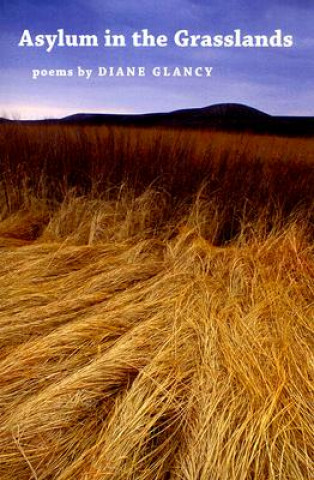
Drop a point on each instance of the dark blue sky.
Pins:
(276, 80)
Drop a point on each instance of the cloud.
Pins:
(145, 13)
(30, 111)
(294, 3)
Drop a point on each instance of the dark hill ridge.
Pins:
(226, 110)
(214, 115)
(224, 116)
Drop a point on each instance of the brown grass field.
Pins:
(156, 305)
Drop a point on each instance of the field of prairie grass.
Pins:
(156, 304)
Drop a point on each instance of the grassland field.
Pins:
(156, 304)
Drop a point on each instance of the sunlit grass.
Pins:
(156, 305)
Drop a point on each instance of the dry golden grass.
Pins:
(142, 336)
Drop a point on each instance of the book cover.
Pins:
(156, 240)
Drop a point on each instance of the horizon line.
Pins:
(17, 116)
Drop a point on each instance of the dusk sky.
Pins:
(275, 80)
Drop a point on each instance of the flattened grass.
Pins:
(157, 331)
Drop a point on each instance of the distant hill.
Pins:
(225, 116)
